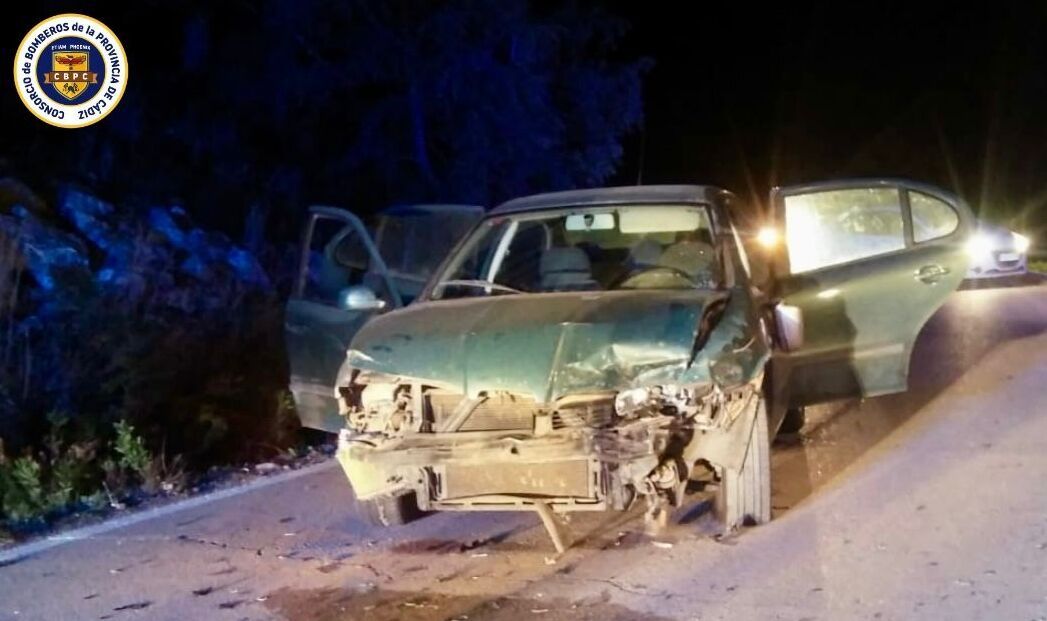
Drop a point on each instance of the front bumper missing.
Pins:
(569, 470)
(566, 469)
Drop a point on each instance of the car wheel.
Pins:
(795, 419)
(744, 496)
(391, 510)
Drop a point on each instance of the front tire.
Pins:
(744, 497)
(391, 510)
(795, 419)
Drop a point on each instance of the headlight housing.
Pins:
(630, 402)
(659, 399)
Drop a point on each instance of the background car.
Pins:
(996, 251)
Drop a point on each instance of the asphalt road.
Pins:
(931, 504)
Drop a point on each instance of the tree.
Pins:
(363, 103)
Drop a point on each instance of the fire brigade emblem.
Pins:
(70, 70)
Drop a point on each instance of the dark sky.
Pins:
(747, 96)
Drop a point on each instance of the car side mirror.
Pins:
(359, 298)
(788, 322)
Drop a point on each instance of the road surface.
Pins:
(931, 504)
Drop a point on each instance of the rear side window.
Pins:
(832, 227)
(931, 217)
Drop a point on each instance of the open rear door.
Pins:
(864, 265)
(339, 259)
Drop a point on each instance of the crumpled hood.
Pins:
(546, 345)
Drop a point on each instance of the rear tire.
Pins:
(744, 497)
(391, 510)
(795, 419)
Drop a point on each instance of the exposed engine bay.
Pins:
(503, 451)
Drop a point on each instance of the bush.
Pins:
(63, 476)
(131, 449)
(163, 344)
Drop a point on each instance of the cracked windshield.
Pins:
(632, 247)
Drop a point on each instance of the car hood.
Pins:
(545, 345)
(1000, 235)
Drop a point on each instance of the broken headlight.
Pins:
(667, 399)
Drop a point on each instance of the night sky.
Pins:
(746, 96)
(751, 97)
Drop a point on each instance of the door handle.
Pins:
(930, 274)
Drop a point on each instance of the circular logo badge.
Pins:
(70, 70)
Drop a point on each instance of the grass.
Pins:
(1038, 265)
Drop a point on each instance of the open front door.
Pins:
(338, 254)
(346, 277)
(864, 265)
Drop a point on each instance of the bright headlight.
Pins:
(979, 245)
(1021, 242)
(768, 237)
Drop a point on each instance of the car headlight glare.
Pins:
(1021, 242)
(979, 246)
(768, 237)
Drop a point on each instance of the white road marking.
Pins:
(35, 547)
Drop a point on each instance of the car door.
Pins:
(339, 256)
(337, 253)
(863, 279)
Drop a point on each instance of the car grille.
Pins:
(497, 412)
(557, 479)
(597, 414)
(503, 411)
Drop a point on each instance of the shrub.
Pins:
(161, 341)
(131, 449)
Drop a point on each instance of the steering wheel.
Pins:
(629, 281)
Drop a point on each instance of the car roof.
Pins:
(411, 210)
(636, 194)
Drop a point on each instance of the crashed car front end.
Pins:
(619, 419)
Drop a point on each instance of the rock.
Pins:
(267, 467)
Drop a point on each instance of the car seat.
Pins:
(694, 258)
(566, 269)
(644, 254)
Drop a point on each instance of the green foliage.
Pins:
(69, 472)
(131, 450)
(1038, 266)
(33, 487)
(23, 489)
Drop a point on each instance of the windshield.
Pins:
(586, 249)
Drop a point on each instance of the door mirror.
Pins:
(359, 298)
(789, 323)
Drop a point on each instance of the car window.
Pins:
(337, 258)
(839, 226)
(413, 241)
(931, 217)
(587, 249)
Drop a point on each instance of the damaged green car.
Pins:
(588, 350)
